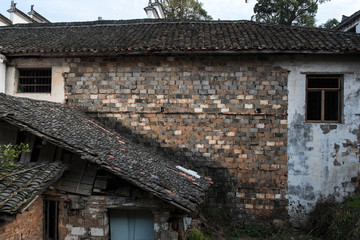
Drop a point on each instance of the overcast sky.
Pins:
(89, 10)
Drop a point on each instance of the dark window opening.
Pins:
(36, 149)
(20, 138)
(34, 81)
(353, 30)
(323, 95)
(51, 210)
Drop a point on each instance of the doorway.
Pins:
(131, 225)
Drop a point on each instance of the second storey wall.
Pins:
(229, 112)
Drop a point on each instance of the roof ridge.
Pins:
(162, 21)
(147, 36)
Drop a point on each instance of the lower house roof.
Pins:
(73, 130)
(20, 186)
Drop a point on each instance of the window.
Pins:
(51, 210)
(34, 81)
(323, 98)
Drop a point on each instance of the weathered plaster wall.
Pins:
(17, 18)
(230, 112)
(3, 24)
(2, 73)
(323, 158)
(27, 225)
(58, 67)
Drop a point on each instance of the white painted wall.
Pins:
(58, 66)
(2, 73)
(312, 153)
(17, 18)
(150, 12)
(3, 24)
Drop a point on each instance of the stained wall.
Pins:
(323, 157)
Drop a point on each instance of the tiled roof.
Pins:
(347, 20)
(19, 187)
(73, 130)
(171, 37)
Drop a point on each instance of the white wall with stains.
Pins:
(58, 68)
(323, 157)
(2, 73)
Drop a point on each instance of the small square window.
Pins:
(34, 81)
(323, 98)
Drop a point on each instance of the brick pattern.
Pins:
(28, 225)
(91, 221)
(231, 111)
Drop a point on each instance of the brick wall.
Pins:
(88, 217)
(228, 112)
(27, 226)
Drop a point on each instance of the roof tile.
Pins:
(172, 36)
(71, 129)
(20, 186)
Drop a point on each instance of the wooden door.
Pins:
(131, 225)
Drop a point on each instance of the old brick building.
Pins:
(269, 112)
(110, 183)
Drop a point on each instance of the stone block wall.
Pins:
(27, 225)
(228, 111)
(87, 217)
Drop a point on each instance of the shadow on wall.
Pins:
(225, 184)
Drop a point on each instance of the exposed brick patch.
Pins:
(228, 110)
(27, 225)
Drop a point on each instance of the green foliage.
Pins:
(252, 230)
(185, 9)
(21, 89)
(341, 223)
(219, 224)
(10, 152)
(197, 235)
(354, 203)
(331, 23)
(287, 12)
(336, 221)
(302, 237)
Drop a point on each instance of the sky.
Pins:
(89, 10)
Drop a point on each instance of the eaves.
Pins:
(176, 53)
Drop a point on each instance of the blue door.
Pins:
(131, 225)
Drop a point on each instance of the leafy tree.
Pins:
(185, 9)
(331, 23)
(10, 152)
(287, 12)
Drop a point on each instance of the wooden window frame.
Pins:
(323, 91)
(19, 85)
